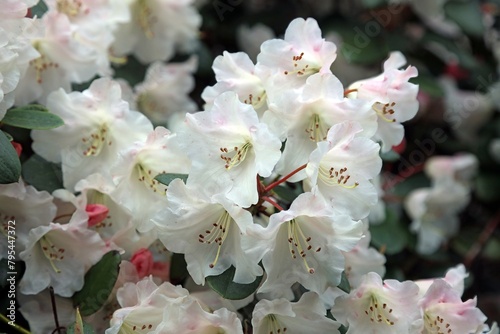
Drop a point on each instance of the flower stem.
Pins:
(54, 309)
(482, 239)
(286, 177)
(16, 326)
(349, 91)
(273, 202)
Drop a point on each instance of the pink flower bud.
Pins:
(97, 213)
(143, 262)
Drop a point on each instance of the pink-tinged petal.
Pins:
(97, 213)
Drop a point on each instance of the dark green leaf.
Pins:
(467, 15)
(167, 178)
(487, 187)
(9, 137)
(391, 235)
(374, 3)
(10, 166)
(99, 282)
(41, 174)
(405, 185)
(344, 284)
(39, 9)
(390, 156)
(427, 83)
(223, 284)
(32, 117)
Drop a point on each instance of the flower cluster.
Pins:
(283, 122)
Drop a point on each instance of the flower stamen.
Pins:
(234, 157)
(51, 252)
(317, 130)
(96, 141)
(217, 234)
(379, 312)
(385, 110)
(333, 176)
(299, 243)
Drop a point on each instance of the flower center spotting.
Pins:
(379, 312)
(217, 234)
(51, 252)
(145, 18)
(42, 63)
(71, 7)
(299, 244)
(145, 175)
(96, 141)
(135, 328)
(233, 157)
(385, 111)
(436, 324)
(333, 176)
(316, 129)
(274, 325)
(256, 101)
(301, 66)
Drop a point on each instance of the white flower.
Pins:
(59, 256)
(304, 245)
(97, 126)
(15, 8)
(444, 311)
(307, 115)
(342, 167)
(22, 208)
(142, 306)
(228, 147)
(157, 29)
(394, 99)
(135, 169)
(454, 277)
(189, 317)
(281, 316)
(301, 53)
(460, 168)
(378, 307)
(211, 232)
(236, 72)
(165, 90)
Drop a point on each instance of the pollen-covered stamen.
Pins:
(301, 66)
(146, 176)
(128, 327)
(317, 130)
(299, 244)
(436, 324)
(256, 100)
(379, 312)
(217, 234)
(42, 63)
(385, 111)
(333, 176)
(274, 325)
(5, 224)
(233, 157)
(146, 18)
(96, 141)
(51, 252)
(71, 7)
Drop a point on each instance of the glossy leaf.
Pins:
(10, 166)
(344, 284)
(99, 282)
(467, 15)
(41, 174)
(391, 235)
(167, 178)
(32, 117)
(223, 284)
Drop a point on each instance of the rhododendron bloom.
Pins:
(394, 99)
(228, 147)
(97, 125)
(443, 311)
(378, 308)
(301, 53)
(454, 277)
(305, 244)
(308, 315)
(236, 72)
(342, 167)
(210, 231)
(59, 255)
(15, 8)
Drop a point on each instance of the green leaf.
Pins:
(99, 282)
(167, 178)
(405, 186)
(41, 174)
(373, 3)
(223, 284)
(344, 284)
(32, 117)
(390, 156)
(487, 185)
(10, 166)
(467, 15)
(39, 9)
(391, 234)
(428, 84)
(79, 326)
(9, 137)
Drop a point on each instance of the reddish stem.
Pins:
(273, 202)
(286, 177)
(349, 91)
(482, 239)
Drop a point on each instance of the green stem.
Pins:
(17, 327)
